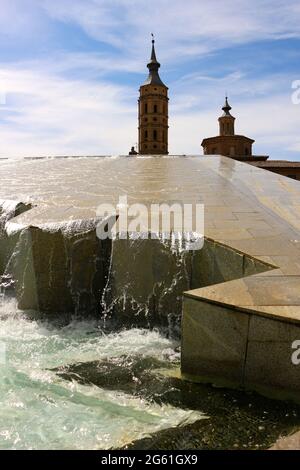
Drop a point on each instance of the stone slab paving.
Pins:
(246, 208)
(288, 443)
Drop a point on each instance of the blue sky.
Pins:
(70, 72)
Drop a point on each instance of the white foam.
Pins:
(39, 410)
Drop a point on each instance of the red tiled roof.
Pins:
(276, 163)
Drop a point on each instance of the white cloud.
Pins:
(184, 28)
(21, 18)
(46, 112)
(272, 121)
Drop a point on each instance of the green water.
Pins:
(71, 385)
(40, 410)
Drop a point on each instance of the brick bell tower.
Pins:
(153, 112)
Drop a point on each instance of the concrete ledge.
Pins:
(214, 340)
(234, 348)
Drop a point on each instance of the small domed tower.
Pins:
(226, 121)
(153, 112)
(228, 143)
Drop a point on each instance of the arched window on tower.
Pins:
(155, 134)
(146, 108)
(155, 108)
(146, 134)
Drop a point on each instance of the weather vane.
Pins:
(153, 40)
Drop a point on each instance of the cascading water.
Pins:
(72, 382)
(145, 282)
(8, 210)
(41, 410)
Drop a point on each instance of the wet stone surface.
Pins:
(235, 420)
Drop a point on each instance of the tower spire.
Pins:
(226, 121)
(153, 54)
(153, 66)
(226, 108)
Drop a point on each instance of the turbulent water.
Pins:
(40, 410)
(52, 393)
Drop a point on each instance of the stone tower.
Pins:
(228, 143)
(226, 121)
(153, 112)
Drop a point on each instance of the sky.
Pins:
(70, 72)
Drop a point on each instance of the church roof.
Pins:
(277, 164)
(227, 137)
